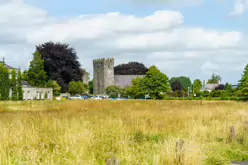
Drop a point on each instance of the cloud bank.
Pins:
(160, 38)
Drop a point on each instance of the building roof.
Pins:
(8, 66)
(25, 83)
(210, 87)
(125, 80)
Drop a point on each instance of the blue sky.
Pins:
(191, 38)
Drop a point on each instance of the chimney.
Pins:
(204, 83)
(219, 82)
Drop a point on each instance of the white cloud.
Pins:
(178, 3)
(209, 67)
(239, 8)
(160, 38)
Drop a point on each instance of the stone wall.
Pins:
(86, 78)
(33, 93)
(125, 80)
(103, 74)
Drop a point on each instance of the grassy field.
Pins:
(136, 132)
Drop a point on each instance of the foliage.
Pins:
(56, 88)
(131, 68)
(91, 86)
(13, 85)
(19, 85)
(220, 87)
(77, 87)
(243, 86)
(24, 75)
(205, 94)
(36, 75)
(214, 79)
(176, 86)
(60, 63)
(155, 82)
(185, 81)
(113, 91)
(137, 89)
(229, 88)
(4, 82)
(197, 86)
(177, 94)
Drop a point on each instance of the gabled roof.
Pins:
(210, 86)
(8, 66)
(26, 83)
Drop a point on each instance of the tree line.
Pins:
(157, 85)
(56, 65)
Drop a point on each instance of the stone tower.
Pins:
(103, 74)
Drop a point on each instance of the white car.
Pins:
(97, 98)
(76, 98)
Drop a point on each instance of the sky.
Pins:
(192, 38)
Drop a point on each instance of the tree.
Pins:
(24, 75)
(36, 75)
(19, 85)
(220, 87)
(56, 88)
(131, 68)
(4, 82)
(197, 86)
(14, 85)
(229, 88)
(60, 63)
(214, 79)
(77, 87)
(243, 83)
(91, 86)
(185, 81)
(137, 89)
(155, 82)
(176, 86)
(113, 91)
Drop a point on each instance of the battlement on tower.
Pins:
(103, 60)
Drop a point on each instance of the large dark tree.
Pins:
(185, 81)
(60, 63)
(131, 68)
(220, 87)
(176, 86)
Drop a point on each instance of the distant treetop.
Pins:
(131, 68)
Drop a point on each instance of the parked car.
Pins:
(97, 98)
(85, 97)
(75, 98)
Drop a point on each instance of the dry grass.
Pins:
(137, 132)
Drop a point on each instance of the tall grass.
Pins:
(137, 132)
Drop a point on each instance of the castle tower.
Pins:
(103, 74)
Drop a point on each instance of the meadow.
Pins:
(136, 132)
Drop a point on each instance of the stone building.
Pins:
(104, 76)
(209, 87)
(30, 92)
(36, 93)
(86, 78)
